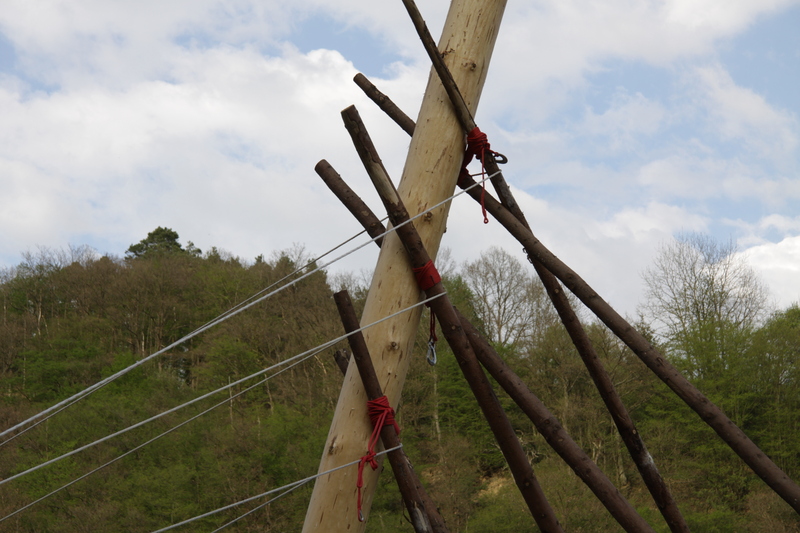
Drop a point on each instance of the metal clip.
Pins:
(431, 355)
(500, 159)
(360, 516)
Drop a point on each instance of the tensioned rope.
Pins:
(292, 485)
(302, 356)
(260, 506)
(58, 407)
(167, 432)
(221, 318)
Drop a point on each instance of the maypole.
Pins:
(429, 177)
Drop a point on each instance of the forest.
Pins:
(71, 318)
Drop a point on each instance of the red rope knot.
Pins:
(427, 276)
(477, 146)
(477, 143)
(381, 414)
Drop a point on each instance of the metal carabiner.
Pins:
(499, 158)
(431, 355)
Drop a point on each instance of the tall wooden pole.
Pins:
(429, 176)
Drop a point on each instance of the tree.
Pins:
(159, 241)
(509, 300)
(704, 300)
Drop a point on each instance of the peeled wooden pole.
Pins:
(429, 177)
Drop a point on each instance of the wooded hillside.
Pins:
(71, 318)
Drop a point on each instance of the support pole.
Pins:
(554, 433)
(451, 328)
(627, 429)
(710, 413)
(429, 177)
(421, 508)
(362, 213)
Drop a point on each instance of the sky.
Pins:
(625, 122)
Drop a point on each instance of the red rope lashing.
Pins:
(427, 276)
(477, 146)
(381, 414)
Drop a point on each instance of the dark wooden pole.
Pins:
(624, 423)
(385, 103)
(351, 200)
(551, 429)
(423, 512)
(492, 410)
(712, 415)
(459, 105)
(498, 421)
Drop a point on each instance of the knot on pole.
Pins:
(381, 414)
(477, 147)
(427, 276)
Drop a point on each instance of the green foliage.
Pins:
(160, 241)
(72, 318)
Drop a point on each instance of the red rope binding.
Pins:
(477, 146)
(427, 276)
(381, 414)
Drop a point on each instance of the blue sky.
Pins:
(625, 122)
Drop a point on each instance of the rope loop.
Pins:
(381, 414)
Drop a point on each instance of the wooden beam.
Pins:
(351, 201)
(627, 429)
(554, 433)
(424, 514)
(429, 177)
(709, 412)
(496, 417)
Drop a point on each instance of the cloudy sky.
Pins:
(625, 122)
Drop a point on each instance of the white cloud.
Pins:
(651, 223)
(741, 114)
(215, 154)
(779, 265)
(719, 16)
(198, 116)
(547, 47)
(629, 118)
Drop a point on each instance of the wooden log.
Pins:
(385, 103)
(351, 201)
(496, 417)
(429, 177)
(710, 413)
(421, 509)
(460, 107)
(637, 449)
(630, 435)
(555, 435)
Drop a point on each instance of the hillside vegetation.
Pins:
(71, 318)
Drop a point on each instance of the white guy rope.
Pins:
(294, 484)
(292, 359)
(167, 432)
(102, 383)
